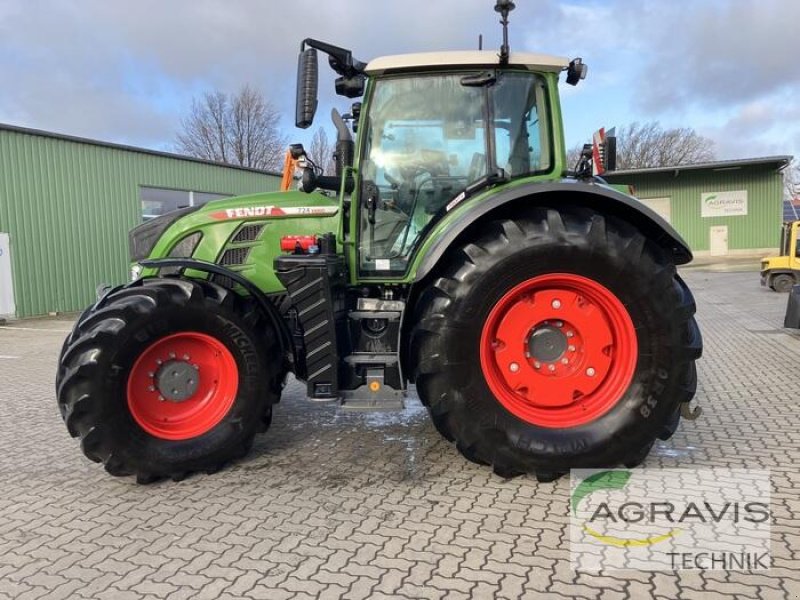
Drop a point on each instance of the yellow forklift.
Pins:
(780, 273)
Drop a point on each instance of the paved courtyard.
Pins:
(376, 505)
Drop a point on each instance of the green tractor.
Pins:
(537, 311)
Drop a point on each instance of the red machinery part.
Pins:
(290, 243)
(205, 404)
(587, 378)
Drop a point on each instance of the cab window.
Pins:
(425, 143)
(427, 138)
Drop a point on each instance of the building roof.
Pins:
(465, 58)
(780, 162)
(126, 148)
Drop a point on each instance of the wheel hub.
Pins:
(177, 380)
(547, 343)
(182, 385)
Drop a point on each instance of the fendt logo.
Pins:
(257, 212)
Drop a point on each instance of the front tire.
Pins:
(166, 377)
(560, 340)
(782, 283)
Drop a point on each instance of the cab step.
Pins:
(375, 394)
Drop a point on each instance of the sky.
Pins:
(126, 71)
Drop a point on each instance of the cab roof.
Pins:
(464, 58)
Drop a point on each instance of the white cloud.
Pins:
(126, 70)
(718, 53)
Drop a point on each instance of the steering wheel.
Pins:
(405, 184)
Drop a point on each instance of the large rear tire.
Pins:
(167, 377)
(558, 340)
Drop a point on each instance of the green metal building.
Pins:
(725, 208)
(67, 204)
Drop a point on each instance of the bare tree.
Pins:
(641, 146)
(791, 186)
(321, 151)
(574, 155)
(238, 129)
(791, 180)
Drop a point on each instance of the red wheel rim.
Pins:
(558, 350)
(182, 386)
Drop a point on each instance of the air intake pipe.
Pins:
(345, 147)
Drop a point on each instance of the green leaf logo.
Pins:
(612, 480)
(605, 480)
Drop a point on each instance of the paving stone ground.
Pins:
(376, 505)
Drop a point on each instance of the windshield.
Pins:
(427, 140)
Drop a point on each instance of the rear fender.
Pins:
(602, 198)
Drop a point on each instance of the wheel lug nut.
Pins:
(161, 398)
(556, 303)
(570, 334)
(151, 388)
(537, 364)
(172, 355)
(196, 367)
(558, 324)
(185, 357)
(590, 372)
(551, 367)
(571, 348)
(150, 374)
(513, 367)
(564, 361)
(159, 361)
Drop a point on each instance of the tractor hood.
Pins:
(242, 233)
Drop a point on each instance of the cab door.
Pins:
(424, 142)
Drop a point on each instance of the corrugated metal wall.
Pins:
(68, 207)
(760, 228)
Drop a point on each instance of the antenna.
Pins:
(480, 41)
(504, 7)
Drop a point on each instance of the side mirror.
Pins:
(576, 71)
(307, 83)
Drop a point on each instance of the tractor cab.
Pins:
(430, 139)
(435, 129)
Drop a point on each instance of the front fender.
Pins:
(600, 197)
